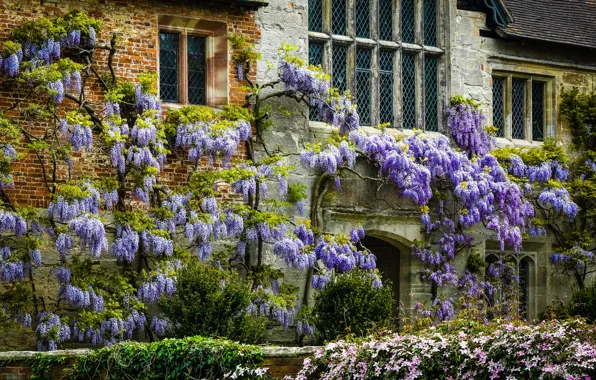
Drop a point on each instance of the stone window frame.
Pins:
(417, 49)
(216, 55)
(549, 116)
(519, 257)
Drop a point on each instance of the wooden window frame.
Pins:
(216, 55)
(183, 34)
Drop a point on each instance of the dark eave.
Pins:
(252, 4)
(499, 12)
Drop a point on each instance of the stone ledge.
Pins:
(271, 351)
(268, 351)
(24, 355)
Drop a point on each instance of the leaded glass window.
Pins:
(499, 105)
(356, 37)
(430, 93)
(315, 58)
(386, 20)
(407, 21)
(408, 84)
(182, 68)
(363, 18)
(338, 16)
(197, 72)
(339, 65)
(315, 15)
(363, 84)
(386, 86)
(538, 111)
(430, 22)
(168, 67)
(518, 108)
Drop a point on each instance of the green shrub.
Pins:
(581, 304)
(350, 305)
(212, 302)
(189, 358)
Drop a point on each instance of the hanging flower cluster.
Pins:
(466, 126)
(215, 139)
(309, 81)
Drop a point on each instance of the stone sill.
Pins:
(324, 128)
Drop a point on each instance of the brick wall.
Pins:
(137, 22)
(15, 365)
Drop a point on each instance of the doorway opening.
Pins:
(387, 263)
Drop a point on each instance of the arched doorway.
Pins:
(387, 263)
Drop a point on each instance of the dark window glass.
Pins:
(407, 21)
(408, 82)
(537, 111)
(315, 58)
(363, 18)
(386, 86)
(386, 20)
(363, 84)
(499, 105)
(197, 72)
(339, 78)
(338, 16)
(430, 22)
(430, 93)
(315, 15)
(168, 67)
(518, 108)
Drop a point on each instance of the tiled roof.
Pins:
(570, 22)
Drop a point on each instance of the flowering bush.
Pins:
(551, 350)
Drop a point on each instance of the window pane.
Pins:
(168, 67)
(407, 21)
(363, 18)
(196, 70)
(338, 16)
(386, 20)
(430, 22)
(518, 107)
(315, 58)
(315, 15)
(537, 111)
(498, 105)
(386, 86)
(363, 84)
(315, 53)
(339, 79)
(408, 83)
(430, 93)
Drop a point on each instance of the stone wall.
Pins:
(16, 365)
